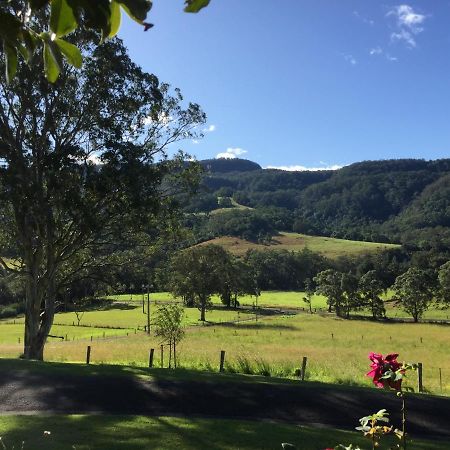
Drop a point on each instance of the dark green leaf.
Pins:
(193, 6)
(11, 26)
(71, 52)
(37, 4)
(62, 18)
(51, 66)
(30, 41)
(11, 61)
(136, 9)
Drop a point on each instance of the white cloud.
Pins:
(405, 36)
(297, 168)
(350, 59)
(391, 58)
(362, 18)
(210, 129)
(376, 51)
(231, 152)
(195, 141)
(409, 24)
(407, 16)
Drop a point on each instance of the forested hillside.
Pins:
(405, 201)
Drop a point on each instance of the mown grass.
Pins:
(130, 318)
(288, 299)
(83, 432)
(336, 349)
(329, 247)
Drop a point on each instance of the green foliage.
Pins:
(95, 182)
(379, 201)
(444, 283)
(371, 288)
(168, 325)
(414, 291)
(196, 274)
(21, 33)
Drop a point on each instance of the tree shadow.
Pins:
(76, 389)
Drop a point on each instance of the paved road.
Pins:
(307, 403)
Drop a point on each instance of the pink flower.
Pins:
(384, 370)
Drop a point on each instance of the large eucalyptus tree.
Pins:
(83, 162)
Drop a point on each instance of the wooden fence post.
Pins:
(419, 376)
(88, 354)
(162, 356)
(150, 357)
(222, 360)
(304, 367)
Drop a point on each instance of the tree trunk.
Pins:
(202, 313)
(39, 316)
(174, 354)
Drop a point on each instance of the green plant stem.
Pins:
(403, 422)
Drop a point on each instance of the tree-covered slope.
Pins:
(382, 201)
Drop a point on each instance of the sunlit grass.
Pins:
(329, 247)
(336, 349)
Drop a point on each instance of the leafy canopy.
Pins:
(21, 34)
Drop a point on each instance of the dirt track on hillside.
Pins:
(306, 403)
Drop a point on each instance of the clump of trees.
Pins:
(415, 291)
(199, 272)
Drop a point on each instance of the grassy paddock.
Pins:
(128, 319)
(336, 349)
(286, 299)
(329, 247)
(82, 432)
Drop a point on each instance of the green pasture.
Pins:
(329, 247)
(286, 299)
(131, 317)
(12, 333)
(84, 432)
(337, 349)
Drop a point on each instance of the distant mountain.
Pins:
(405, 200)
(223, 165)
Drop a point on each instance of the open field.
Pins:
(287, 299)
(336, 349)
(329, 247)
(234, 207)
(127, 317)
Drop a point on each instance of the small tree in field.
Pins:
(309, 292)
(168, 326)
(414, 292)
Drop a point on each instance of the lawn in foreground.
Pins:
(83, 432)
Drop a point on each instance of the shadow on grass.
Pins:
(396, 320)
(73, 388)
(161, 433)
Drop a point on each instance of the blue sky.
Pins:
(313, 84)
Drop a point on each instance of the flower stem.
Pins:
(403, 422)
